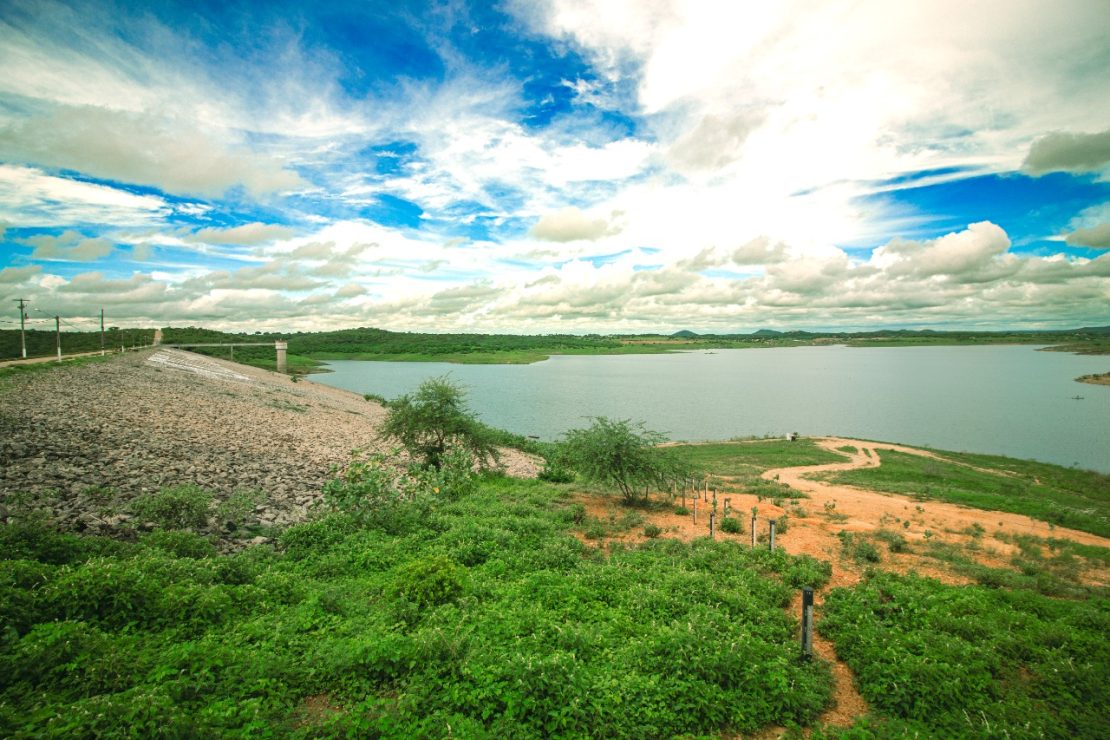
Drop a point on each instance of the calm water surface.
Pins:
(1007, 400)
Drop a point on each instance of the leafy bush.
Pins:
(895, 542)
(555, 471)
(429, 581)
(621, 454)
(732, 525)
(236, 507)
(435, 419)
(181, 543)
(178, 507)
(652, 531)
(866, 552)
(681, 511)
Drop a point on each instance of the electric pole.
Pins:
(102, 331)
(58, 331)
(22, 317)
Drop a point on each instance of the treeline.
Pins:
(367, 342)
(43, 343)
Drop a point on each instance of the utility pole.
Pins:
(102, 331)
(58, 334)
(22, 317)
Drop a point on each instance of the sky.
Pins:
(521, 166)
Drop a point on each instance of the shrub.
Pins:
(652, 531)
(434, 419)
(866, 552)
(621, 454)
(895, 542)
(178, 507)
(732, 525)
(555, 472)
(681, 511)
(238, 505)
(429, 582)
(180, 543)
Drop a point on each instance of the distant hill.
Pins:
(1093, 330)
(685, 334)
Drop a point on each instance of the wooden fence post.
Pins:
(772, 535)
(711, 529)
(807, 622)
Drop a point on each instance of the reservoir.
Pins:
(1007, 400)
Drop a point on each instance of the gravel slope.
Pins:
(81, 442)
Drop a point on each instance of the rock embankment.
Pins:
(81, 443)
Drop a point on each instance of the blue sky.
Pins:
(617, 166)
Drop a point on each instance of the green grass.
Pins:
(482, 614)
(756, 456)
(1078, 499)
(968, 661)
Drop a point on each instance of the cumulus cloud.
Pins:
(14, 275)
(957, 253)
(70, 246)
(572, 224)
(245, 235)
(1097, 236)
(1068, 152)
(350, 290)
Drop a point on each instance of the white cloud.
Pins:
(69, 246)
(16, 275)
(173, 155)
(28, 197)
(1097, 236)
(571, 224)
(247, 234)
(1068, 152)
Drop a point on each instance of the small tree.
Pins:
(621, 454)
(435, 418)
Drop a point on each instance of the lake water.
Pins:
(1009, 400)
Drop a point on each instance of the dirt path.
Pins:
(866, 509)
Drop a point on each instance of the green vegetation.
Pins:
(1078, 499)
(752, 457)
(178, 507)
(43, 342)
(475, 611)
(623, 455)
(434, 418)
(959, 661)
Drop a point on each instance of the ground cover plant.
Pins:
(450, 611)
(752, 457)
(1078, 499)
(971, 661)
